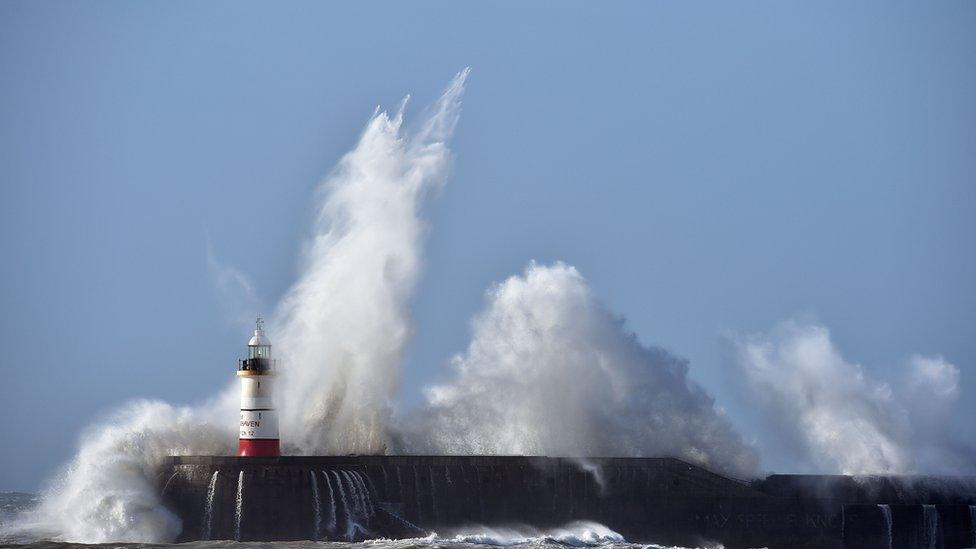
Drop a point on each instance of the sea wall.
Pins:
(656, 500)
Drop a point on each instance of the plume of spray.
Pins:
(341, 329)
(834, 417)
(550, 371)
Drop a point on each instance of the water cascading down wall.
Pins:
(658, 500)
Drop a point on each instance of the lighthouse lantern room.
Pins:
(259, 419)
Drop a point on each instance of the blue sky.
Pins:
(707, 167)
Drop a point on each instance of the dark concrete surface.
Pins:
(659, 500)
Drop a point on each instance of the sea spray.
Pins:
(838, 416)
(551, 371)
(886, 514)
(109, 490)
(209, 507)
(239, 508)
(361, 266)
(316, 509)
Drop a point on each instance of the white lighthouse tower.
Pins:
(259, 419)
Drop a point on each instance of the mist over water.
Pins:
(549, 370)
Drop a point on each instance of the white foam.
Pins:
(577, 534)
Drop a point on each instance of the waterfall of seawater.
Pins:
(399, 483)
(930, 520)
(345, 506)
(239, 511)
(972, 522)
(332, 502)
(352, 491)
(208, 508)
(162, 493)
(416, 493)
(365, 491)
(886, 513)
(358, 494)
(481, 499)
(433, 494)
(354, 497)
(316, 508)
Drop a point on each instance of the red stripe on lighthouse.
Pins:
(259, 447)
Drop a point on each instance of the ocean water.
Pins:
(13, 503)
(580, 534)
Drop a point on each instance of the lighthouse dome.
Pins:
(259, 339)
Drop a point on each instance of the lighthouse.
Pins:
(259, 419)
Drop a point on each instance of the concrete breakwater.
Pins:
(658, 500)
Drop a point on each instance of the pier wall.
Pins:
(657, 500)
